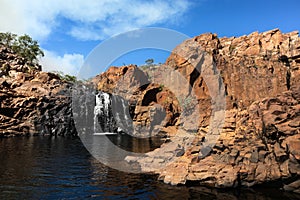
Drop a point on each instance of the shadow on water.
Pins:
(61, 168)
(134, 144)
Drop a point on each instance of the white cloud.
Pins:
(32, 17)
(68, 63)
(91, 19)
(88, 20)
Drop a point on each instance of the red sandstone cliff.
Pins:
(260, 139)
(258, 143)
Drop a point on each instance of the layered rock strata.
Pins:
(259, 140)
(32, 102)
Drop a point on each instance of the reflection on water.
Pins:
(61, 168)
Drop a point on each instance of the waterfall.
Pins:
(103, 119)
(111, 114)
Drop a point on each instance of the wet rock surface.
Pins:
(151, 105)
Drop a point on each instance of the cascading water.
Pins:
(111, 114)
(103, 119)
(120, 108)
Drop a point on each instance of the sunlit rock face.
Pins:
(259, 142)
(252, 67)
(151, 106)
(32, 102)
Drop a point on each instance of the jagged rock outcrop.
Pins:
(151, 106)
(32, 102)
(10, 63)
(256, 146)
(252, 67)
(259, 140)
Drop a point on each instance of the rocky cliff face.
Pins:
(252, 67)
(151, 105)
(257, 145)
(31, 101)
(259, 142)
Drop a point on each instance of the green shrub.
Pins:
(231, 48)
(24, 46)
(161, 87)
(65, 77)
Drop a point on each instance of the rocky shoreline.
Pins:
(259, 142)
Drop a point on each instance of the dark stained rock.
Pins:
(32, 102)
(294, 186)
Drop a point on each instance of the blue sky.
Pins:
(68, 30)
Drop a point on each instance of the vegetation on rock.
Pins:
(24, 46)
(65, 77)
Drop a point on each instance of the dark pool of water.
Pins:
(61, 168)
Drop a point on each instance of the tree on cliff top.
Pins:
(149, 61)
(23, 46)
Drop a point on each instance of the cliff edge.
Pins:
(259, 142)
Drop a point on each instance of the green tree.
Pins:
(149, 61)
(65, 77)
(23, 46)
(7, 39)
